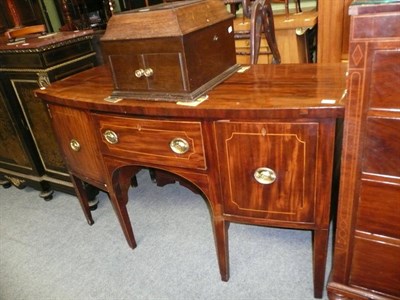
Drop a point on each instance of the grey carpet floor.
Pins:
(47, 251)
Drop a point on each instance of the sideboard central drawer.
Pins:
(161, 142)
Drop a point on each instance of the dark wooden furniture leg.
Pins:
(298, 7)
(118, 193)
(201, 185)
(320, 247)
(83, 198)
(222, 245)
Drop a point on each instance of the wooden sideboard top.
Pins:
(263, 91)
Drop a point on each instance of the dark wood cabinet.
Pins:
(29, 154)
(367, 249)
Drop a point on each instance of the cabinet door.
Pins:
(165, 72)
(35, 114)
(268, 169)
(123, 69)
(12, 151)
(78, 143)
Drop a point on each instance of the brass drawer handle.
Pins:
(110, 136)
(179, 146)
(265, 175)
(144, 72)
(74, 144)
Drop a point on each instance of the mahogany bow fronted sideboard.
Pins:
(260, 148)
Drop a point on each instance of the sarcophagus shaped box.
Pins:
(174, 51)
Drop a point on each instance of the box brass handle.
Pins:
(265, 175)
(110, 136)
(139, 73)
(74, 144)
(144, 72)
(179, 146)
(148, 72)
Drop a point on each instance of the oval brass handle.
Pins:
(74, 144)
(265, 175)
(179, 145)
(110, 136)
(144, 72)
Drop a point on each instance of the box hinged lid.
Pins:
(165, 20)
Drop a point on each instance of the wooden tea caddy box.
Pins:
(174, 51)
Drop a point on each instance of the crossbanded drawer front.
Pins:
(375, 264)
(382, 148)
(160, 142)
(379, 202)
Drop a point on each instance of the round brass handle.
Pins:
(139, 73)
(148, 72)
(144, 72)
(110, 136)
(74, 144)
(265, 175)
(179, 146)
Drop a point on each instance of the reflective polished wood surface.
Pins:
(260, 149)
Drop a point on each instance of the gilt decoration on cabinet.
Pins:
(25, 67)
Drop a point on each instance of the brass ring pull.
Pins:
(265, 175)
(74, 144)
(179, 146)
(110, 136)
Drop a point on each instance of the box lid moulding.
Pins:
(165, 20)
